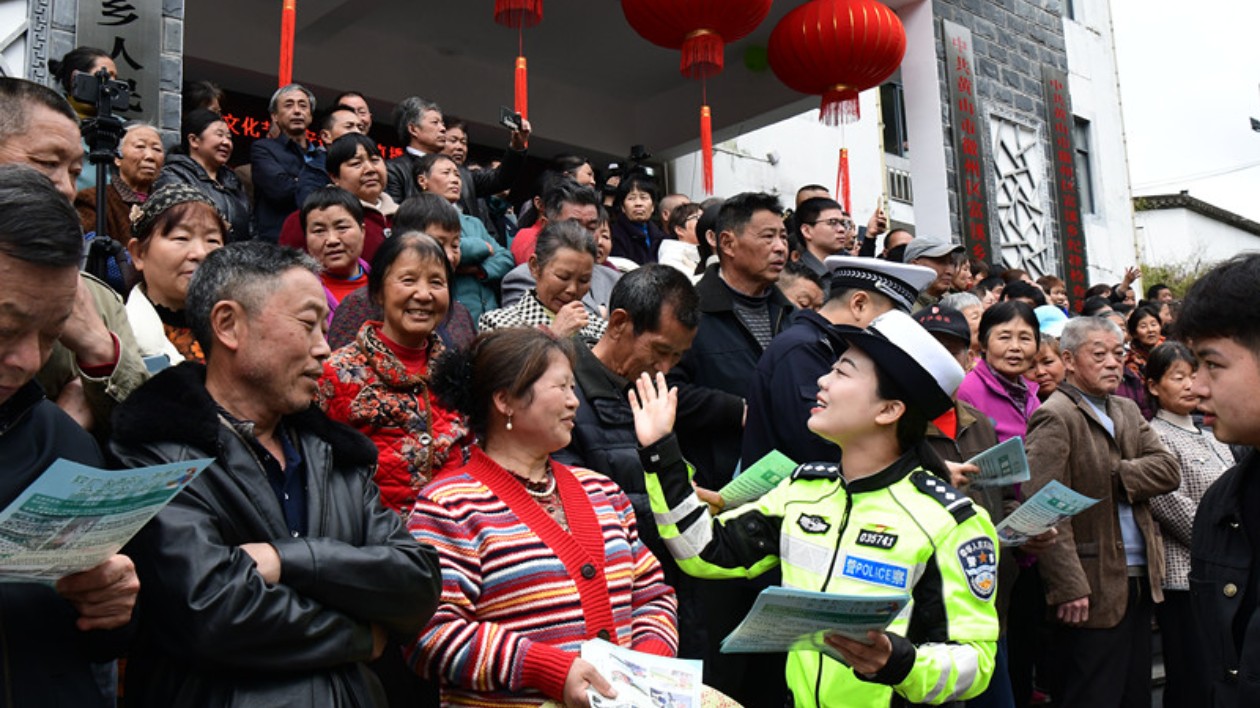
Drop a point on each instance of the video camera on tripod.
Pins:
(102, 133)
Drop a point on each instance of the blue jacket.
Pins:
(783, 391)
(277, 165)
(480, 292)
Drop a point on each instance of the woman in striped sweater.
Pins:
(536, 557)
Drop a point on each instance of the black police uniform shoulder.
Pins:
(954, 501)
(816, 470)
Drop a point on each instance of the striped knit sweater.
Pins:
(520, 595)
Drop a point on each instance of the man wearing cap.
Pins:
(1106, 569)
(882, 521)
(782, 392)
(941, 257)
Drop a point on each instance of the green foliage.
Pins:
(1177, 276)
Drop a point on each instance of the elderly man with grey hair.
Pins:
(1105, 571)
(277, 162)
(422, 130)
(276, 575)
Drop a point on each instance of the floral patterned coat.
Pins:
(366, 386)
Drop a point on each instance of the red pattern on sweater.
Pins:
(366, 386)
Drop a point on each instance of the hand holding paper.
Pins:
(103, 596)
(751, 484)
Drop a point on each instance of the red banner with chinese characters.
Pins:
(248, 120)
(973, 191)
(1074, 262)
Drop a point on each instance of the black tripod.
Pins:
(102, 133)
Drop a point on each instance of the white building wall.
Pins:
(13, 25)
(784, 156)
(1175, 237)
(1095, 95)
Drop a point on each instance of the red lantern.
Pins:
(701, 29)
(837, 48)
(519, 15)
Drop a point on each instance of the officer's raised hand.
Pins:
(654, 405)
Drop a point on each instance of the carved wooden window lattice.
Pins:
(1019, 172)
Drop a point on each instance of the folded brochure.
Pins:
(1049, 507)
(1003, 464)
(74, 517)
(643, 680)
(787, 619)
(753, 483)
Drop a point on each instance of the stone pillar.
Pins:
(52, 32)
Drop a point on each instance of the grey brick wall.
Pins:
(1011, 40)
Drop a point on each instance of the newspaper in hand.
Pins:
(74, 517)
(1041, 512)
(1003, 464)
(643, 680)
(786, 619)
(764, 475)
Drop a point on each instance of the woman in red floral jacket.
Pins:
(379, 383)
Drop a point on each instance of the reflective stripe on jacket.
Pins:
(901, 530)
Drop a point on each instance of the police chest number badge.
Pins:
(877, 537)
(813, 524)
(979, 563)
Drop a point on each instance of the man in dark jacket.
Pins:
(786, 380)
(652, 320)
(741, 310)
(277, 573)
(1222, 325)
(422, 130)
(50, 634)
(278, 162)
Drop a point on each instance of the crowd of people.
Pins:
(455, 438)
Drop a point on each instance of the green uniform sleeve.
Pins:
(957, 666)
(742, 543)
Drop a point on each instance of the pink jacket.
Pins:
(993, 396)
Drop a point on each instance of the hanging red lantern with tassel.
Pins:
(700, 30)
(837, 48)
(519, 15)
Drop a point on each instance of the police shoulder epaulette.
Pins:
(816, 470)
(954, 501)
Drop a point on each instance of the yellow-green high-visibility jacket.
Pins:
(900, 530)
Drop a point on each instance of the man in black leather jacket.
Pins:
(48, 635)
(277, 574)
(1221, 324)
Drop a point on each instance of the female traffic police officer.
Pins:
(884, 520)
